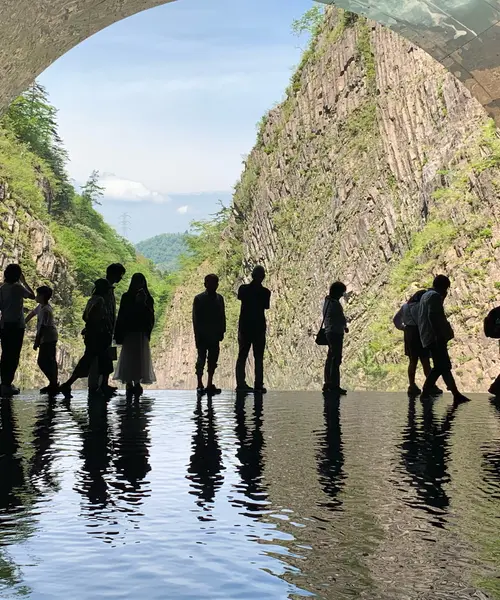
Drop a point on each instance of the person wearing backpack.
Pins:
(406, 320)
(492, 330)
(435, 333)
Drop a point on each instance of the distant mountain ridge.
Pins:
(164, 250)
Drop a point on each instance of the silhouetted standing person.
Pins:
(96, 336)
(335, 325)
(209, 324)
(134, 325)
(13, 292)
(46, 339)
(407, 320)
(255, 300)
(435, 333)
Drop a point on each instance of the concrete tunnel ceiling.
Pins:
(463, 35)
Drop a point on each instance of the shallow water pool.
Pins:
(289, 496)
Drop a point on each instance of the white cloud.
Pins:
(116, 188)
(182, 210)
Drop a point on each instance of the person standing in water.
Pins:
(96, 337)
(134, 325)
(406, 319)
(255, 300)
(99, 380)
(46, 339)
(435, 333)
(335, 325)
(13, 292)
(209, 324)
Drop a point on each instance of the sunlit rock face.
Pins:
(463, 35)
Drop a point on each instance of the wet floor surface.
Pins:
(291, 496)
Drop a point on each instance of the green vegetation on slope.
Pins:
(164, 250)
(37, 187)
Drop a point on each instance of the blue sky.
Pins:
(165, 104)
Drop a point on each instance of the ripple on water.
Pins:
(292, 496)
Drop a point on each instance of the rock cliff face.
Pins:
(378, 169)
(27, 240)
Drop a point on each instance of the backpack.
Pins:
(492, 324)
(398, 320)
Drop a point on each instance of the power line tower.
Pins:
(125, 224)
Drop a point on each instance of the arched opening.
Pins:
(464, 36)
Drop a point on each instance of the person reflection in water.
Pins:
(331, 455)
(132, 447)
(425, 456)
(205, 464)
(255, 300)
(209, 324)
(41, 472)
(96, 336)
(435, 333)
(12, 478)
(335, 327)
(250, 456)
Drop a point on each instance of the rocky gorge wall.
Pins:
(378, 169)
(27, 240)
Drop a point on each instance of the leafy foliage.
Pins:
(165, 250)
(32, 166)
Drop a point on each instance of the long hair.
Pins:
(138, 282)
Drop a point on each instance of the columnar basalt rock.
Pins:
(379, 169)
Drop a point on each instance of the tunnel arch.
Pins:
(463, 35)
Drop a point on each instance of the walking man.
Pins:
(255, 300)
(101, 370)
(435, 333)
(209, 324)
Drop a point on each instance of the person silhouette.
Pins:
(46, 339)
(209, 325)
(435, 333)
(407, 320)
(133, 329)
(255, 300)
(96, 336)
(13, 292)
(335, 327)
(100, 371)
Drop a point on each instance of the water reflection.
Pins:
(205, 465)
(132, 450)
(425, 454)
(303, 495)
(331, 455)
(250, 448)
(41, 474)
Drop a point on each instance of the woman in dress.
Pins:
(133, 331)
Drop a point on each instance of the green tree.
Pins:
(32, 120)
(309, 22)
(92, 192)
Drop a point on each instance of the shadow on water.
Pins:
(205, 465)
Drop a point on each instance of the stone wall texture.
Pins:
(379, 169)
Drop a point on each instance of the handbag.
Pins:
(321, 335)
